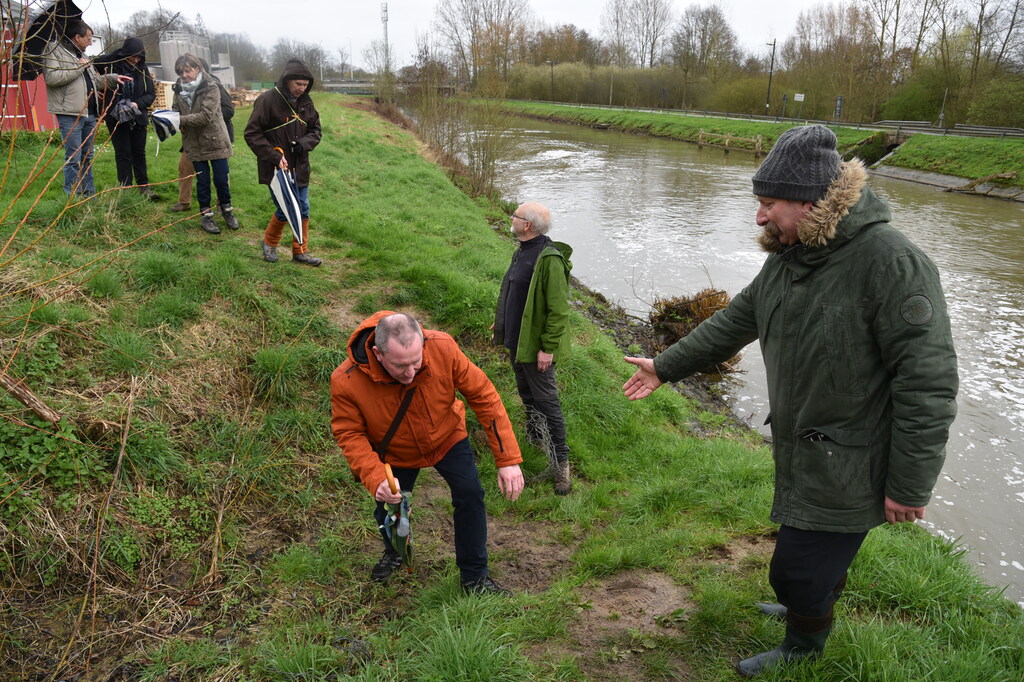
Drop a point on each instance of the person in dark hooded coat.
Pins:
(125, 112)
(283, 129)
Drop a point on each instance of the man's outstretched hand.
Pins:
(644, 382)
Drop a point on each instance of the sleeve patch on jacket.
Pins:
(917, 309)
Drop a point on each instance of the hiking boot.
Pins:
(388, 564)
(485, 585)
(269, 253)
(229, 217)
(563, 479)
(179, 207)
(208, 224)
(307, 259)
(149, 193)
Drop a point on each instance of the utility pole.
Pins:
(771, 70)
(387, 49)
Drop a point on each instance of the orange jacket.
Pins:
(365, 399)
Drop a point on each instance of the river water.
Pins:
(651, 217)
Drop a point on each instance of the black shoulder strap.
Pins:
(382, 447)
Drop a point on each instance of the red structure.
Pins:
(22, 103)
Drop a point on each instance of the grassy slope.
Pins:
(966, 157)
(219, 362)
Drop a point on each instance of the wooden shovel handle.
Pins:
(392, 483)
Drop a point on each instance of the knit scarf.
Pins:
(188, 90)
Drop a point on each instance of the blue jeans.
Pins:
(302, 196)
(220, 181)
(458, 469)
(78, 133)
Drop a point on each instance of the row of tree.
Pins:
(962, 60)
(943, 61)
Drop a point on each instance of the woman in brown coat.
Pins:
(204, 137)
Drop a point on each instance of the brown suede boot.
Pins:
(563, 479)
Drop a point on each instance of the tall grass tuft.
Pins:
(128, 351)
(276, 373)
(157, 270)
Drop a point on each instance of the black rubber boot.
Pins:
(779, 611)
(805, 638)
(773, 610)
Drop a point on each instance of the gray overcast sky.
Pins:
(334, 24)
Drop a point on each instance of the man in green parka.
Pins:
(862, 375)
(532, 321)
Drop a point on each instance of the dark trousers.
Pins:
(458, 469)
(129, 153)
(539, 393)
(220, 180)
(808, 565)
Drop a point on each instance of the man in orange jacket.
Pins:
(390, 355)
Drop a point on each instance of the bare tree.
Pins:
(652, 20)
(482, 34)
(616, 23)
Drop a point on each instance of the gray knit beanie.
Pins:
(801, 165)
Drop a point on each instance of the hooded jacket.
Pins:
(204, 135)
(66, 89)
(278, 122)
(365, 399)
(861, 370)
(141, 90)
(545, 321)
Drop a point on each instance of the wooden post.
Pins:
(727, 138)
(700, 139)
(757, 146)
(19, 390)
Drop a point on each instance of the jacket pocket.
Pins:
(843, 371)
(833, 468)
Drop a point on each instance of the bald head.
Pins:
(530, 220)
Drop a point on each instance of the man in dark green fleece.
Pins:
(532, 321)
(862, 375)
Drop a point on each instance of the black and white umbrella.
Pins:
(49, 26)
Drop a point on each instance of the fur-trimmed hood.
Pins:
(824, 225)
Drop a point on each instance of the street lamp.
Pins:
(771, 70)
(552, 65)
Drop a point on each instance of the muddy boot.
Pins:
(148, 192)
(206, 222)
(269, 253)
(179, 207)
(229, 216)
(563, 479)
(805, 638)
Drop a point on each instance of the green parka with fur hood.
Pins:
(862, 375)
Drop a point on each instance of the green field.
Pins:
(192, 519)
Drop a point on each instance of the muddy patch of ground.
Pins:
(619, 623)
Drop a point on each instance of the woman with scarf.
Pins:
(125, 113)
(204, 137)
